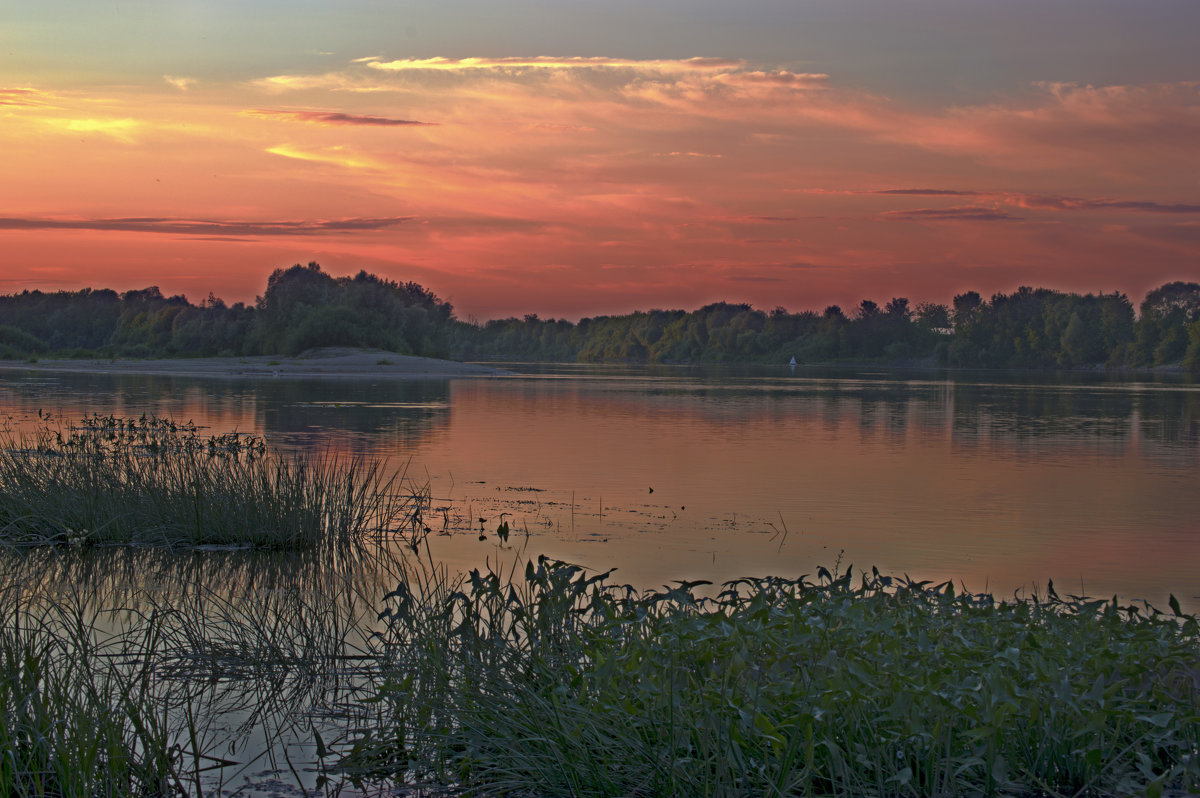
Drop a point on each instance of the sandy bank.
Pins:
(333, 362)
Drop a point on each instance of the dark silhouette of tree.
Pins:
(303, 307)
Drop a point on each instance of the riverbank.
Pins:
(330, 362)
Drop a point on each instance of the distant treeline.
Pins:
(303, 307)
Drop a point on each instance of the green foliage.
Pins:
(18, 344)
(73, 720)
(1039, 328)
(1191, 360)
(304, 308)
(560, 683)
(152, 481)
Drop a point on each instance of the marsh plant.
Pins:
(556, 682)
(145, 671)
(152, 481)
(81, 711)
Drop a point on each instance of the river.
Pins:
(1000, 482)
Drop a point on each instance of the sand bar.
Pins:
(331, 362)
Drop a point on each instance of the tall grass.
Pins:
(147, 671)
(80, 711)
(152, 481)
(557, 683)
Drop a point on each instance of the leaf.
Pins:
(1174, 604)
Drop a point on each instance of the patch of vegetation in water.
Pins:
(152, 481)
(147, 671)
(558, 683)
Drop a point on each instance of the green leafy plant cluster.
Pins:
(153, 481)
(558, 683)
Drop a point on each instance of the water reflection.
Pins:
(358, 416)
(250, 654)
(999, 481)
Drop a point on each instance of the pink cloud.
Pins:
(966, 213)
(25, 97)
(337, 118)
(206, 226)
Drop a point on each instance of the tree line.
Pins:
(303, 308)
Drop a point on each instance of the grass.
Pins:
(75, 719)
(136, 671)
(142, 671)
(151, 481)
(557, 683)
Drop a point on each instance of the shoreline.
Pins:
(329, 362)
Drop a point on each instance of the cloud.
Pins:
(23, 97)
(120, 129)
(558, 127)
(1064, 125)
(207, 226)
(337, 81)
(183, 84)
(337, 118)
(553, 62)
(925, 192)
(336, 156)
(1051, 202)
(1037, 201)
(782, 77)
(967, 213)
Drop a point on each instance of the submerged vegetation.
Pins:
(152, 481)
(303, 307)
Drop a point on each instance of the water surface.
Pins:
(998, 481)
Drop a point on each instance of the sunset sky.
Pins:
(579, 158)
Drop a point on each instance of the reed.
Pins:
(555, 682)
(77, 715)
(151, 481)
(147, 671)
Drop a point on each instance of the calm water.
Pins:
(1000, 482)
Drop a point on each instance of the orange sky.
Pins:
(583, 184)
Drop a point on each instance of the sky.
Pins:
(575, 158)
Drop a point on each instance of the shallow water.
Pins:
(1002, 482)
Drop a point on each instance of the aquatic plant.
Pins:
(558, 683)
(148, 671)
(75, 717)
(153, 481)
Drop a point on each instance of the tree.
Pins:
(933, 317)
(965, 306)
(898, 309)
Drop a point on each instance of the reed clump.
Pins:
(80, 713)
(559, 683)
(135, 671)
(152, 481)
